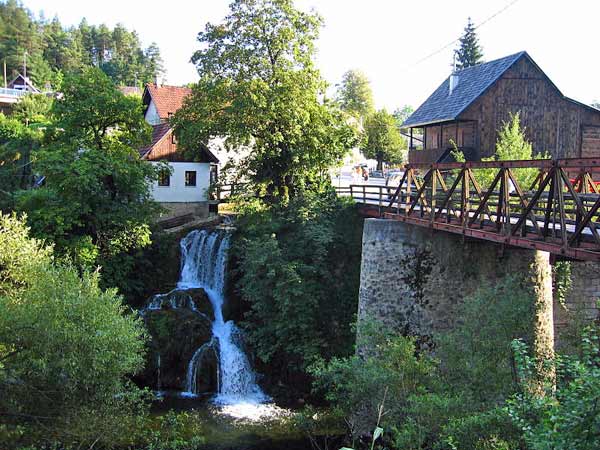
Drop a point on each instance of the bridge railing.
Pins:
(551, 205)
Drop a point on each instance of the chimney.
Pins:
(453, 82)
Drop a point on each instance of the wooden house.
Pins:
(471, 105)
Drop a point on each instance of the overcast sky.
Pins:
(383, 38)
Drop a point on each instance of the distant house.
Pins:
(185, 189)
(14, 91)
(470, 106)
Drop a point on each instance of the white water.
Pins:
(204, 264)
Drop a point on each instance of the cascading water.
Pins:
(203, 265)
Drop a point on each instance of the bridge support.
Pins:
(413, 279)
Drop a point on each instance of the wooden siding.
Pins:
(461, 133)
(590, 141)
(165, 150)
(552, 123)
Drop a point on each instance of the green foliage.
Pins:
(453, 401)
(382, 140)
(476, 355)
(511, 145)
(260, 89)
(401, 114)
(566, 415)
(469, 52)
(53, 50)
(562, 280)
(354, 94)
(33, 109)
(389, 368)
(96, 198)
(17, 145)
(66, 347)
(298, 273)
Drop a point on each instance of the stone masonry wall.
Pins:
(413, 279)
(581, 302)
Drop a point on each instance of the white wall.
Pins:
(177, 191)
(152, 116)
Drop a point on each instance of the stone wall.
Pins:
(198, 209)
(580, 305)
(413, 279)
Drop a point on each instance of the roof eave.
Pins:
(424, 124)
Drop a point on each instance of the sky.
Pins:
(385, 39)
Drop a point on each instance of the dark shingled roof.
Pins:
(472, 82)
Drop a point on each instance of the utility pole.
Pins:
(25, 65)
(5, 82)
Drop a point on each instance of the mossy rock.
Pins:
(177, 331)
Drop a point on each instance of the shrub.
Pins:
(66, 347)
(565, 416)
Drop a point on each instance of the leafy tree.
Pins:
(469, 52)
(66, 349)
(96, 198)
(300, 262)
(17, 144)
(511, 144)
(567, 415)
(354, 94)
(259, 88)
(401, 114)
(382, 139)
(33, 109)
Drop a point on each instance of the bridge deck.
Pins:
(550, 205)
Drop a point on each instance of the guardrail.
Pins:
(558, 211)
(12, 92)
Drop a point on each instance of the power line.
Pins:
(425, 58)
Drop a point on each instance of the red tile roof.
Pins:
(158, 132)
(167, 99)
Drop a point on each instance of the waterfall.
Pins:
(204, 265)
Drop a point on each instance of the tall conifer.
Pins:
(469, 52)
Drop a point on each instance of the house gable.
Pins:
(552, 122)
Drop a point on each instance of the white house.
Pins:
(185, 189)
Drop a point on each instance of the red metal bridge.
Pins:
(549, 205)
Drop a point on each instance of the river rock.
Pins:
(178, 323)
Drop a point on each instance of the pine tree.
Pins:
(469, 53)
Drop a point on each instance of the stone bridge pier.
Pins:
(413, 280)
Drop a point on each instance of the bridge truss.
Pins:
(550, 205)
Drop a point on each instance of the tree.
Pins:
(96, 198)
(260, 90)
(511, 145)
(469, 52)
(17, 144)
(66, 348)
(401, 114)
(383, 140)
(354, 94)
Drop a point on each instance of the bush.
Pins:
(298, 274)
(357, 384)
(66, 347)
(565, 416)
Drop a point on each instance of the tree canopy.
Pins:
(66, 347)
(259, 90)
(382, 139)
(354, 94)
(96, 197)
(469, 52)
(53, 50)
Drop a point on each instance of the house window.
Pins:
(173, 138)
(190, 178)
(164, 178)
